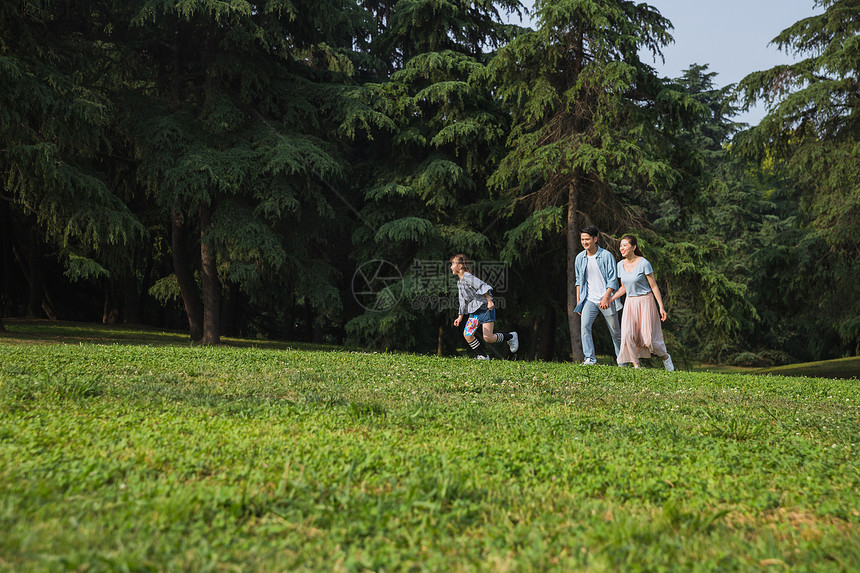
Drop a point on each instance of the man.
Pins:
(596, 280)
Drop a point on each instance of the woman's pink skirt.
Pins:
(641, 334)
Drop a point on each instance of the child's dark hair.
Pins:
(461, 260)
(633, 243)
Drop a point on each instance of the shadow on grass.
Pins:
(35, 331)
(843, 368)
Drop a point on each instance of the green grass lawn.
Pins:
(130, 450)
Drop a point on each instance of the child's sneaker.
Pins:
(667, 364)
(514, 342)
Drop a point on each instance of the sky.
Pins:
(731, 36)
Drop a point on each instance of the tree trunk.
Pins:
(546, 350)
(39, 302)
(440, 344)
(230, 311)
(135, 306)
(5, 260)
(185, 276)
(573, 243)
(211, 286)
(290, 320)
(534, 339)
(34, 273)
(308, 325)
(48, 306)
(110, 312)
(131, 301)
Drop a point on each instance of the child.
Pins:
(476, 300)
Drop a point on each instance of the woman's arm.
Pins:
(618, 294)
(656, 290)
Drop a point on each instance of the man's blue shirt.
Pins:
(608, 268)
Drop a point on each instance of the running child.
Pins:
(476, 300)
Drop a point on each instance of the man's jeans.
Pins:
(589, 314)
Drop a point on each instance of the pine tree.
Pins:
(226, 108)
(703, 227)
(810, 136)
(54, 122)
(426, 156)
(583, 110)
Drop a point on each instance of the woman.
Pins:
(477, 302)
(641, 334)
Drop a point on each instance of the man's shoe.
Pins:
(483, 357)
(667, 364)
(514, 342)
(589, 362)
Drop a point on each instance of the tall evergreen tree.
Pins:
(54, 124)
(428, 155)
(583, 110)
(226, 111)
(810, 136)
(709, 219)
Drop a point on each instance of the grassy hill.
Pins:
(126, 449)
(839, 368)
(844, 368)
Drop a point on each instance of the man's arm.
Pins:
(605, 301)
(611, 279)
(579, 275)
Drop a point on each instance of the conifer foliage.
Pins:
(428, 160)
(225, 115)
(226, 166)
(55, 187)
(810, 139)
(583, 112)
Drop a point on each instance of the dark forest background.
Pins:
(303, 170)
